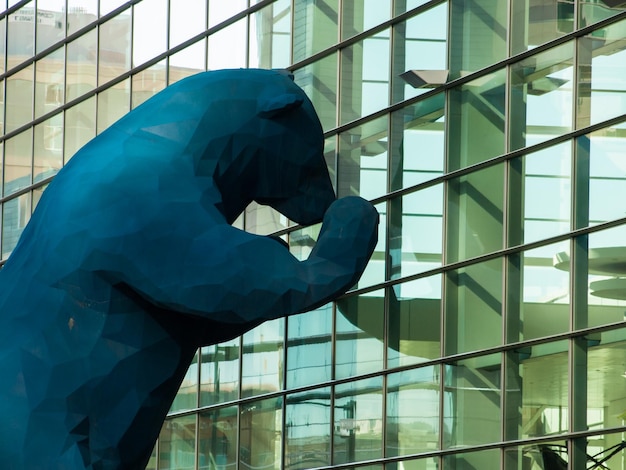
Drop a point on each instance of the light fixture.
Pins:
(425, 78)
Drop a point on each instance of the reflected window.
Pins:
(177, 443)
(219, 373)
(49, 87)
(270, 36)
(149, 29)
(187, 396)
(309, 19)
(539, 21)
(80, 126)
(260, 434)
(113, 103)
(262, 364)
(217, 443)
(362, 15)
(319, 82)
(114, 47)
(81, 65)
(227, 47)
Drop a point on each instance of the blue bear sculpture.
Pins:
(130, 263)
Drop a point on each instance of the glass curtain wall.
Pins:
(488, 330)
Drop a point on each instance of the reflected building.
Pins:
(488, 330)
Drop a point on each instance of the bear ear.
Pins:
(276, 105)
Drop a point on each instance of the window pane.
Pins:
(539, 21)
(80, 126)
(49, 87)
(362, 162)
(358, 421)
(362, 15)
(263, 359)
(601, 71)
(601, 158)
(364, 77)
(537, 391)
(539, 300)
(316, 26)
(307, 428)
(541, 96)
(270, 36)
(264, 220)
(219, 373)
(419, 44)
(18, 158)
(149, 29)
(48, 154)
(476, 111)
(416, 231)
(309, 347)
(189, 61)
(147, 83)
(475, 213)
(114, 47)
(227, 47)
(81, 65)
(187, 396)
(15, 215)
(260, 434)
(473, 307)
(177, 443)
(220, 11)
(592, 12)
(186, 22)
(413, 411)
(534, 456)
(21, 35)
(50, 23)
(113, 103)
(319, 82)
(471, 402)
(217, 445)
(414, 326)
(479, 459)
(359, 332)
(80, 13)
(478, 35)
(543, 178)
(418, 142)
(107, 6)
(19, 98)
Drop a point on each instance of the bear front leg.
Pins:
(233, 277)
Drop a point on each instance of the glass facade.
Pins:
(488, 330)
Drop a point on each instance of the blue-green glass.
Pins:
(307, 429)
(362, 160)
(536, 400)
(416, 231)
(270, 36)
(177, 443)
(315, 27)
(473, 307)
(217, 438)
(478, 459)
(374, 272)
(478, 34)
(412, 411)
(593, 12)
(602, 169)
(358, 16)
(309, 347)
(358, 409)
(219, 373)
(531, 456)
(471, 402)
(538, 21)
(541, 98)
(260, 434)
(419, 44)
(538, 293)
(475, 208)
(476, 121)
(414, 321)
(601, 71)
(319, 81)
(187, 396)
(417, 142)
(540, 194)
(364, 77)
(359, 327)
(262, 362)
(606, 393)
